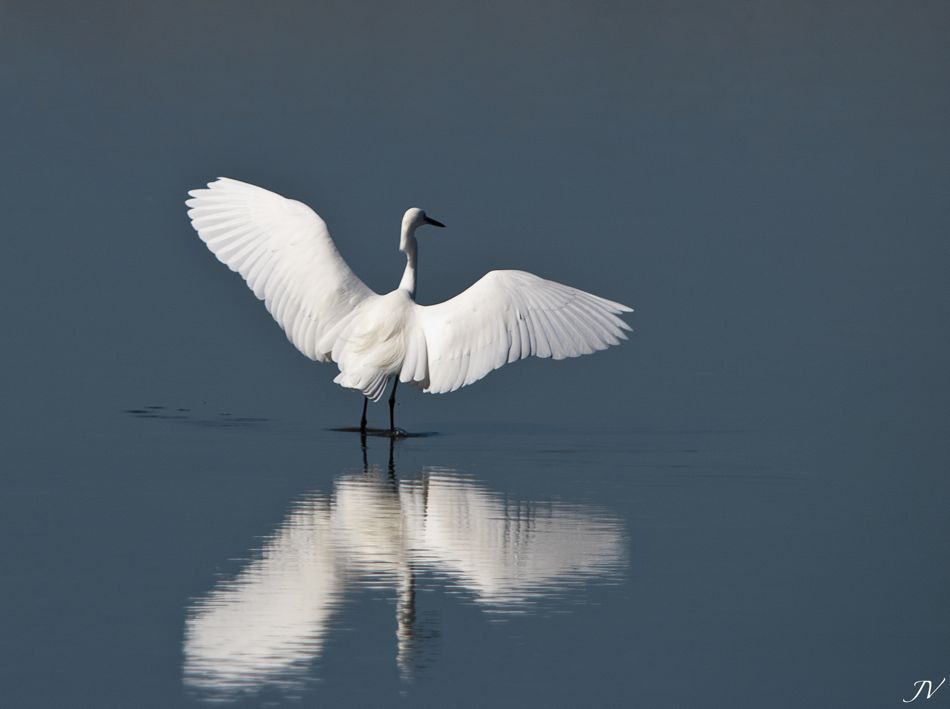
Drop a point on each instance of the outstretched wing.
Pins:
(510, 315)
(284, 252)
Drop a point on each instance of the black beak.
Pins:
(433, 222)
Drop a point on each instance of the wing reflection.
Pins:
(508, 553)
(267, 625)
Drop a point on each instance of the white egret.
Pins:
(284, 252)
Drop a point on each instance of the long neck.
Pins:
(407, 244)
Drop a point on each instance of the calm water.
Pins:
(196, 557)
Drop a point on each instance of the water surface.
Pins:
(245, 560)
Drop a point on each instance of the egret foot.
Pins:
(384, 432)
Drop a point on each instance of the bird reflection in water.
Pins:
(265, 627)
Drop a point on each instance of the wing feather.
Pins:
(284, 252)
(511, 315)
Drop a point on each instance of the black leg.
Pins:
(363, 449)
(392, 462)
(392, 406)
(363, 420)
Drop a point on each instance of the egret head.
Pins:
(415, 218)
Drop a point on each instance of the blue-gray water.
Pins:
(173, 561)
(744, 505)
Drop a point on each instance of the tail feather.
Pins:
(371, 382)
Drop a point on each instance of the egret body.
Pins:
(284, 252)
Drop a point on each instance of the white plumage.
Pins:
(284, 252)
